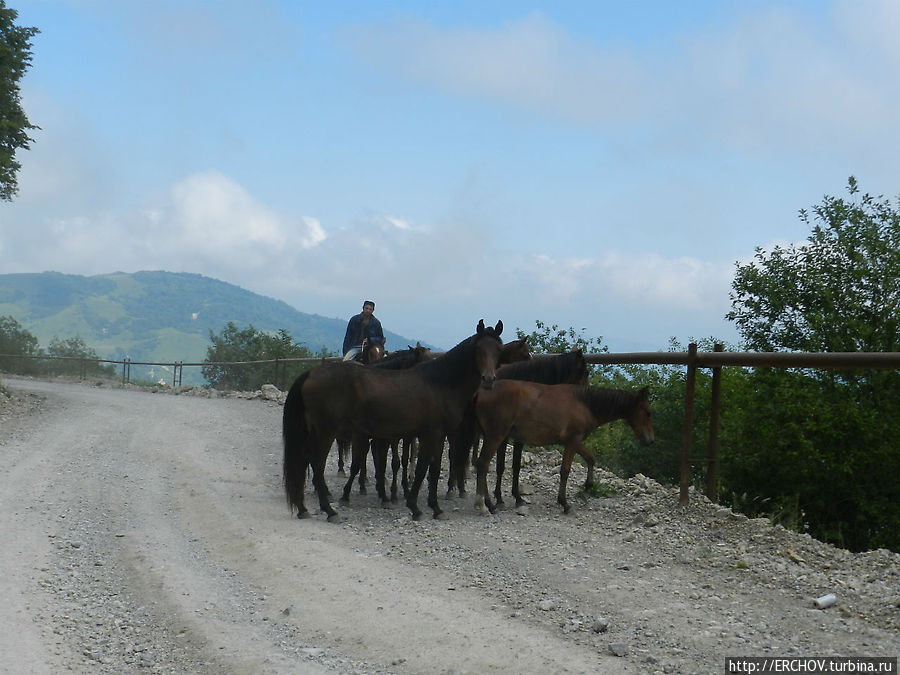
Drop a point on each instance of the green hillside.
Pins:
(156, 316)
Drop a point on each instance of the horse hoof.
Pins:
(341, 472)
(362, 490)
(440, 515)
(417, 516)
(385, 504)
(522, 510)
(303, 515)
(334, 518)
(345, 499)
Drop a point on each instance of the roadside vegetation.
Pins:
(815, 450)
(234, 345)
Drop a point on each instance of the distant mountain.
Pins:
(156, 316)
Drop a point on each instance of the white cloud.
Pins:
(215, 216)
(530, 61)
(772, 81)
(214, 213)
(399, 223)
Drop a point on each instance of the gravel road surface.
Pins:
(148, 531)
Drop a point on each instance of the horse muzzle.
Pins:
(487, 381)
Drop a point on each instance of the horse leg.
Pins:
(568, 455)
(482, 499)
(342, 449)
(414, 451)
(404, 479)
(359, 450)
(363, 465)
(453, 453)
(591, 462)
(434, 475)
(318, 468)
(500, 468)
(462, 468)
(379, 456)
(458, 455)
(470, 451)
(428, 449)
(517, 468)
(395, 467)
(302, 511)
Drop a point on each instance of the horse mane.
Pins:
(568, 368)
(401, 359)
(449, 364)
(605, 401)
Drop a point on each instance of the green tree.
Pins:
(555, 340)
(76, 358)
(16, 342)
(227, 358)
(820, 446)
(838, 292)
(15, 58)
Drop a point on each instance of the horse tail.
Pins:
(295, 433)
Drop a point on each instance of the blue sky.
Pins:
(596, 165)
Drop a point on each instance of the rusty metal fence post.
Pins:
(689, 381)
(712, 467)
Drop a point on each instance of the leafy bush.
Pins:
(235, 345)
(16, 343)
(73, 357)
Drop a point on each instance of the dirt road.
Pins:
(149, 532)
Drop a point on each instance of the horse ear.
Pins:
(644, 393)
(480, 327)
(498, 328)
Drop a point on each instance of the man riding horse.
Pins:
(362, 328)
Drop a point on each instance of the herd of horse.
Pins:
(481, 388)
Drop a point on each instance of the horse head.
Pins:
(488, 351)
(640, 418)
(372, 351)
(515, 351)
(422, 353)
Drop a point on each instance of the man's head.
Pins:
(368, 307)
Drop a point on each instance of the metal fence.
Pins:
(691, 359)
(177, 367)
(715, 360)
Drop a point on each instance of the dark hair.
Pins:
(369, 302)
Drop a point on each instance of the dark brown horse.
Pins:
(568, 368)
(370, 353)
(343, 400)
(515, 351)
(374, 355)
(542, 414)
(398, 360)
